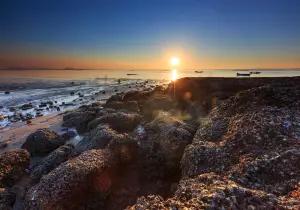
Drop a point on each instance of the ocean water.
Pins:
(68, 89)
(138, 74)
(46, 96)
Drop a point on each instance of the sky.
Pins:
(144, 34)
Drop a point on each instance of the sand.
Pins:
(16, 134)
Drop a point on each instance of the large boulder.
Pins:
(251, 138)
(131, 106)
(12, 166)
(204, 157)
(119, 121)
(75, 184)
(99, 138)
(163, 143)
(78, 119)
(210, 191)
(42, 142)
(54, 159)
(156, 103)
(7, 199)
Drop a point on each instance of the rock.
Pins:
(42, 142)
(204, 157)
(26, 106)
(209, 191)
(7, 92)
(274, 173)
(99, 138)
(164, 143)
(54, 159)
(253, 139)
(73, 184)
(114, 98)
(123, 105)
(12, 166)
(3, 145)
(119, 121)
(2, 117)
(155, 104)
(78, 119)
(124, 148)
(7, 199)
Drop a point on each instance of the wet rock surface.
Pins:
(42, 142)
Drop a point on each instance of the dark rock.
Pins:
(7, 92)
(39, 114)
(275, 173)
(54, 159)
(252, 138)
(74, 183)
(155, 104)
(99, 138)
(12, 166)
(7, 199)
(3, 145)
(78, 119)
(119, 121)
(164, 143)
(26, 106)
(209, 191)
(126, 105)
(12, 109)
(43, 104)
(42, 142)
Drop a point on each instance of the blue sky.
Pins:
(224, 33)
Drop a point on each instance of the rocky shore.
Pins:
(207, 143)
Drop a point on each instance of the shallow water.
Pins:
(60, 94)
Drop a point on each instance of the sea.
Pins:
(27, 94)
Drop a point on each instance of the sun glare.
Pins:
(174, 75)
(174, 61)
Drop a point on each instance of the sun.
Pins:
(174, 61)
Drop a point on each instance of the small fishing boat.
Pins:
(131, 74)
(243, 74)
(199, 72)
(255, 72)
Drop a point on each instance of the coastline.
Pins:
(215, 143)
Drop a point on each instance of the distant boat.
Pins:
(255, 72)
(243, 74)
(131, 74)
(199, 72)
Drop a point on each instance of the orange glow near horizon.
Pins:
(158, 61)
